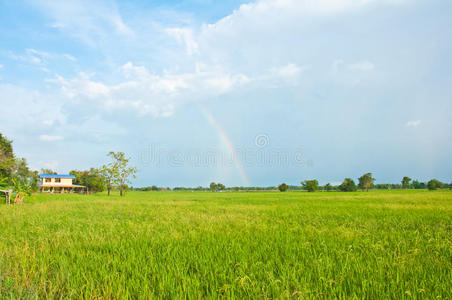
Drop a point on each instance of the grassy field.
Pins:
(171, 245)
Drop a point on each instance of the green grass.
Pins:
(192, 245)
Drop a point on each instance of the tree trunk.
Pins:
(108, 189)
(120, 190)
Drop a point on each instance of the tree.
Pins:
(93, 179)
(435, 184)
(119, 171)
(348, 185)
(6, 157)
(48, 171)
(283, 187)
(221, 187)
(213, 186)
(110, 175)
(406, 182)
(310, 185)
(418, 185)
(328, 187)
(366, 181)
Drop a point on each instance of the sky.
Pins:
(246, 93)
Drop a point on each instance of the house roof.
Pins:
(56, 176)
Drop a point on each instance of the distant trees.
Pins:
(435, 184)
(366, 181)
(283, 187)
(348, 185)
(93, 179)
(310, 185)
(216, 187)
(406, 182)
(328, 187)
(48, 171)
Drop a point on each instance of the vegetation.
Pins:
(435, 184)
(348, 185)
(310, 185)
(406, 182)
(283, 187)
(177, 245)
(93, 179)
(366, 182)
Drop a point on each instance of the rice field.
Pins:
(192, 245)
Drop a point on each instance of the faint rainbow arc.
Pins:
(227, 143)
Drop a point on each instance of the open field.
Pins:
(380, 244)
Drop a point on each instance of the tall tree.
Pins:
(121, 171)
(283, 187)
(310, 185)
(435, 184)
(213, 186)
(406, 182)
(366, 181)
(348, 185)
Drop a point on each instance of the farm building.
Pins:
(51, 183)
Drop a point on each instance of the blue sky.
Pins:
(240, 92)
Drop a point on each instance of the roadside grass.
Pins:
(380, 244)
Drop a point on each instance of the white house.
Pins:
(51, 183)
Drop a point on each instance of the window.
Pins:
(57, 180)
(48, 180)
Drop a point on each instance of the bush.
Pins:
(435, 184)
(348, 185)
(310, 185)
(283, 187)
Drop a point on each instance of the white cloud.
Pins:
(50, 138)
(413, 124)
(1, 66)
(184, 36)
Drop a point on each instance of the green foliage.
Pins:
(198, 245)
(48, 171)
(435, 184)
(118, 171)
(406, 182)
(328, 187)
(366, 181)
(283, 187)
(310, 185)
(216, 187)
(92, 179)
(348, 185)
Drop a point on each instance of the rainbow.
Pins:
(227, 143)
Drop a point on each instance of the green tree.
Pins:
(406, 182)
(213, 187)
(119, 171)
(328, 187)
(366, 181)
(221, 187)
(435, 184)
(310, 185)
(6, 157)
(283, 187)
(348, 185)
(48, 171)
(93, 179)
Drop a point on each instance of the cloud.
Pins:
(413, 124)
(186, 37)
(50, 138)
(89, 21)
(1, 66)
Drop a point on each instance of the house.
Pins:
(52, 183)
